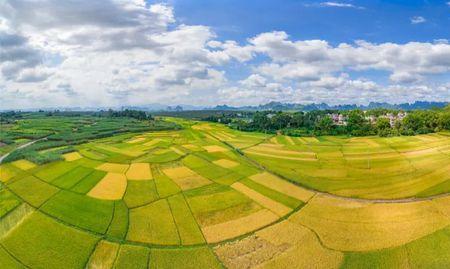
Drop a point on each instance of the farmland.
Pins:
(206, 196)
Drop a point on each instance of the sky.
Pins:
(112, 53)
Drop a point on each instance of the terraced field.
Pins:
(210, 197)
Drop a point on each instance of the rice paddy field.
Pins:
(207, 196)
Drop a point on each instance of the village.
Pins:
(340, 119)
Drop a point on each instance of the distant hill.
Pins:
(323, 106)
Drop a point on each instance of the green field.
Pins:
(214, 197)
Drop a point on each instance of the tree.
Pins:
(325, 125)
(383, 127)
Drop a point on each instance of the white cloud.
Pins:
(338, 5)
(417, 20)
(311, 59)
(70, 54)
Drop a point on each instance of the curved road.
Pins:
(21, 147)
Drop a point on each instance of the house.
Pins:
(338, 119)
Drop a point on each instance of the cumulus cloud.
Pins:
(120, 52)
(311, 59)
(417, 20)
(17, 56)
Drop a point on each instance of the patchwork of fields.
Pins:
(210, 197)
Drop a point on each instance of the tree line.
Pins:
(357, 122)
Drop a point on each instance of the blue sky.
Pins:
(374, 21)
(134, 52)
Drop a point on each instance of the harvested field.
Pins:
(230, 229)
(225, 163)
(103, 256)
(282, 186)
(139, 171)
(111, 187)
(369, 226)
(153, 142)
(72, 156)
(212, 149)
(266, 202)
(132, 257)
(24, 164)
(113, 167)
(14, 218)
(177, 151)
(136, 140)
(283, 245)
(185, 178)
(7, 172)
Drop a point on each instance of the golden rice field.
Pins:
(210, 197)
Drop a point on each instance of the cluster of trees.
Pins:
(129, 113)
(357, 122)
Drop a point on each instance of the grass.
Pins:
(80, 210)
(40, 242)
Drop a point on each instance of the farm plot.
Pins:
(7, 201)
(153, 224)
(283, 245)
(186, 178)
(139, 171)
(80, 211)
(183, 258)
(33, 190)
(369, 226)
(73, 156)
(24, 164)
(369, 167)
(111, 187)
(188, 199)
(40, 242)
(214, 204)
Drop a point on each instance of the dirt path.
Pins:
(21, 147)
